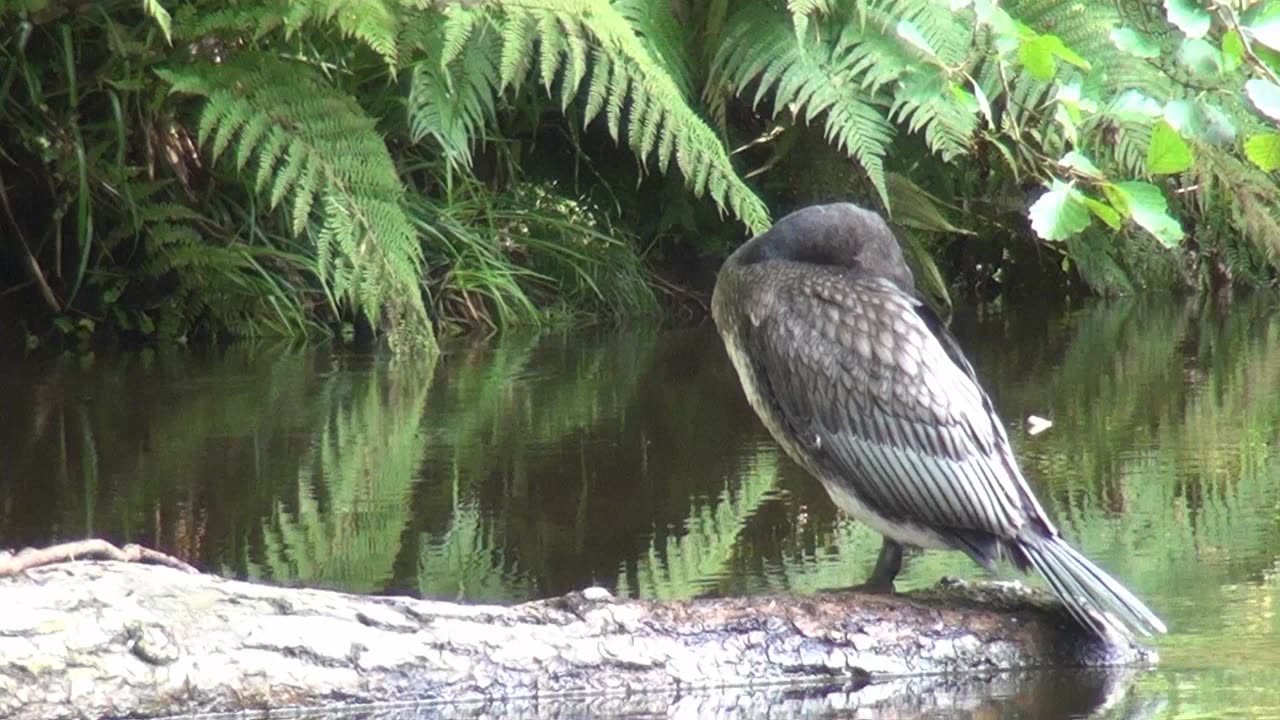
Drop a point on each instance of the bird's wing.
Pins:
(877, 398)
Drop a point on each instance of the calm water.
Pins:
(536, 465)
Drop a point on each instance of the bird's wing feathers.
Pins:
(878, 397)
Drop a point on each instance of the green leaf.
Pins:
(1232, 51)
(989, 13)
(1265, 96)
(1037, 58)
(1200, 57)
(1219, 128)
(1264, 150)
(984, 105)
(1059, 213)
(1145, 203)
(1064, 53)
(1168, 153)
(1200, 120)
(1135, 43)
(1103, 212)
(1080, 163)
(1262, 24)
(908, 31)
(1182, 116)
(1134, 106)
(162, 18)
(1188, 16)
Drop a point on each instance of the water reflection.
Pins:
(1060, 695)
(629, 459)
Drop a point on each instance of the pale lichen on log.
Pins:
(94, 639)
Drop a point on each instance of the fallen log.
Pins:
(122, 639)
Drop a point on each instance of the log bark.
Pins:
(117, 639)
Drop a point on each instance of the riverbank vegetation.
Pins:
(173, 170)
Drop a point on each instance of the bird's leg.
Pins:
(887, 567)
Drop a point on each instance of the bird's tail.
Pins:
(1094, 598)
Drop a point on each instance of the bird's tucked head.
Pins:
(837, 235)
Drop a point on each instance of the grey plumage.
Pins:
(865, 388)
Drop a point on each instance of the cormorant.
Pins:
(863, 386)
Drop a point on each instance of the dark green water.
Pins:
(536, 465)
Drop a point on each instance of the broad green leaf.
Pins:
(1059, 213)
(984, 105)
(1145, 203)
(1133, 106)
(1037, 58)
(162, 18)
(908, 31)
(1071, 94)
(1069, 121)
(1116, 198)
(1219, 128)
(1232, 51)
(1262, 24)
(1080, 163)
(1135, 43)
(989, 13)
(1265, 96)
(964, 98)
(1200, 120)
(1189, 17)
(1059, 49)
(1264, 150)
(1200, 57)
(1103, 212)
(1168, 153)
(1182, 116)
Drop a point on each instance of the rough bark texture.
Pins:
(92, 639)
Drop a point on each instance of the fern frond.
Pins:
(452, 100)
(518, 34)
(624, 70)
(320, 149)
(376, 23)
(759, 48)
(665, 37)
(925, 102)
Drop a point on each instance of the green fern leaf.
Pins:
(332, 151)
(250, 136)
(305, 197)
(269, 153)
(551, 43)
(458, 26)
(666, 144)
(577, 66)
(760, 49)
(518, 32)
(601, 71)
(618, 87)
(649, 122)
(294, 164)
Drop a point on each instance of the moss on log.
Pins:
(94, 638)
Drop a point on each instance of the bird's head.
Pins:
(838, 235)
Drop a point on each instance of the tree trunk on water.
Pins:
(92, 639)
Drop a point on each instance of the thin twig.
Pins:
(32, 265)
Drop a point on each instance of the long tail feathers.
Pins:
(1094, 598)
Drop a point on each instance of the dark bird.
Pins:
(863, 386)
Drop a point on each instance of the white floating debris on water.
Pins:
(1037, 424)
